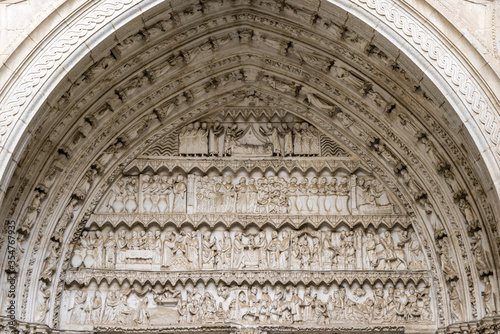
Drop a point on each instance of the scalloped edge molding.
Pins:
(50, 61)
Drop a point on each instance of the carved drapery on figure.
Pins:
(340, 248)
(281, 304)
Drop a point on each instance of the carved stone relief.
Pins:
(142, 257)
(252, 192)
(126, 305)
(186, 249)
(258, 138)
(369, 189)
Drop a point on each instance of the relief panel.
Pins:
(250, 217)
(101, 306)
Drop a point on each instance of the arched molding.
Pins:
(356, 108)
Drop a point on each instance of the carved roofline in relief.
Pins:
(229, 219)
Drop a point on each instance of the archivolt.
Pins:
(195, 60)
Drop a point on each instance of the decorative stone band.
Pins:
(245, 220)
(487, 325)
(85, 276)
(40, 70)
(288, 164)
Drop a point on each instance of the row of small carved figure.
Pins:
(254, 304)
(310, 250)
(160, 194)
(271, 194)
(200, 139)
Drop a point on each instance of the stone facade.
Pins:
(250, 166)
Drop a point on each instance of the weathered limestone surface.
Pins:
(249, 166)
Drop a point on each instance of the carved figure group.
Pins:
(123, 196)
(203, 139)
(273, 194)
(153, 249)
(93, 251)
(193, 139)
(339, 194)
(94, 307)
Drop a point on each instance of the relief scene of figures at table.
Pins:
(322, 193)
(252, 249)
(247, 304)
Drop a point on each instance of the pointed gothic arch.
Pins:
(282, 62)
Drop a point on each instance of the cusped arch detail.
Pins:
(426, 168)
